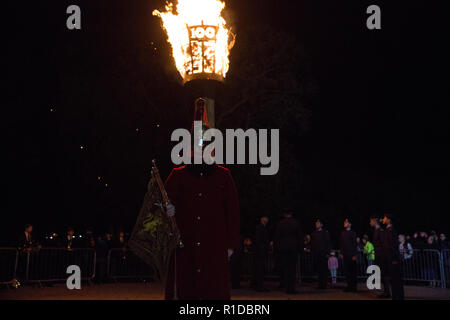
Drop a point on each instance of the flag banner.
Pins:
(151, 239)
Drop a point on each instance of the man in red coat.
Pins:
(207, 214)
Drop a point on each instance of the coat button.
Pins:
(198, 244)
(201, 174)
(198, 218)
(200, 194)
(198, 270)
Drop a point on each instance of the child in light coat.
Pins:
(333, 265)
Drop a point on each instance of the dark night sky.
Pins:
(379, 135)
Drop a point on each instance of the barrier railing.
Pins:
(445, 255)
(8, 265)
(306, 268)
(124, 264)
(247, 265)
(50, 264)
(424, 266)
(427, 266)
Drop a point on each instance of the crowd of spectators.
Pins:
(417, 254)
(70, 240)
(103, 242)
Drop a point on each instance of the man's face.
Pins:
(70, 232)
(442, 237)
(347, 224)
(318, 224)
(364, 240)
(264, 220)
(29, 229)
(386, 220)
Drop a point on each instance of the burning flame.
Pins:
(200, 39)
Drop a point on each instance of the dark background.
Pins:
(376, 141)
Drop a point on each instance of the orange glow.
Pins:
(200, 40)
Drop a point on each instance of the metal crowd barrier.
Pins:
(426, 266)
(247, 265)
(8, 265)
(124, 264)
(50, 264)
(445, 255)
(306, 266)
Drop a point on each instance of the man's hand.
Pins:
(170, 209)
(230, 252)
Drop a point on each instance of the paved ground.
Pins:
(152, 291)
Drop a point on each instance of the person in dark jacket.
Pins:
(26, 241)
(348, 247)
(380, 257)
(120, 241)
(430, 271)
(119, 244)
(416, 242)
(320, 248)
(109, 240)
(393, 259)
(69, 241)
(88, 236)
(287, 244)
(101, 249)
(443, 243)
(260, 247)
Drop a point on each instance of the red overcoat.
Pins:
(207, 214)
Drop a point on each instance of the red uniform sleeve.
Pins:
(232, 213)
